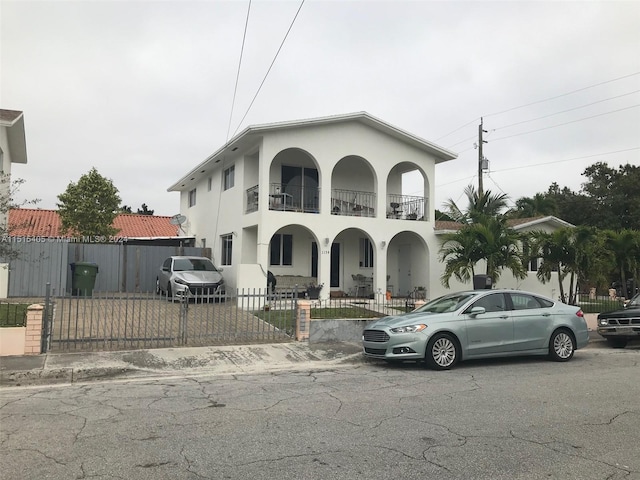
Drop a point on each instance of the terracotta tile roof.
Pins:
(30, 222)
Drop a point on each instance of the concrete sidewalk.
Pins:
(55, 368)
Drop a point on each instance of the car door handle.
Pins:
(504, 316)
(546, 314)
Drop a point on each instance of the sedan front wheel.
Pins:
(442, 352)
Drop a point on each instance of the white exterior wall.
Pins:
(375, 155)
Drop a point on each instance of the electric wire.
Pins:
(565, 123)
(564, 111)
(270, 66)
(539, 101)
(562, 95)
(235, 88)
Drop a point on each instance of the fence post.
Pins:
(184, 311)
(33, 335)
(47, 319)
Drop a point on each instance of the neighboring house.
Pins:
(30, 224)
(13, 147)
(531, 283)
(323, 199)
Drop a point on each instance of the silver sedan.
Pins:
(479, 324)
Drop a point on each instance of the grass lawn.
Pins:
(13, 314)
(285, 319)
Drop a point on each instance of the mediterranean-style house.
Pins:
(322, 200)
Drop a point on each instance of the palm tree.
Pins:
(459, 252)
(500, 247)
(479, 206)
(539, 204)
(573, 253)
(492, 241)
(625, 249)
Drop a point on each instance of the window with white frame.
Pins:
(192, 197)
(281, 250)
(229, 177)
(533, 264)
(366, 253)
(227, 247)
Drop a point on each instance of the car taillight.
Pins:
(580, 313)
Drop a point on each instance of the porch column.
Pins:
(380, 270)
(324, 269)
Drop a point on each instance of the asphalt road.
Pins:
(501, 419)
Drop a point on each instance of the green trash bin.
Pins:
(83, 278)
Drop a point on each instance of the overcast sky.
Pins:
(143, 90)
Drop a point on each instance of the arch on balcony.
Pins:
(353, 187)
(294, 181)
(408, 193)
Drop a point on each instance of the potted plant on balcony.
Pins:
(313, 291)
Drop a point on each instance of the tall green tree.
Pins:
(89, 207)
(624, 247)
(538, 205)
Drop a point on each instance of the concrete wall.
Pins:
(327, 331)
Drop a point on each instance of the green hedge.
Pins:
(13, 314)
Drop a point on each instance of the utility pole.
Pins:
(480, 157)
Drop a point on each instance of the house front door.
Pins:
(335, 265)
(404, 270)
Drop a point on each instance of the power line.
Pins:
(270, 66)
(540, 164)
(538, 101)
(235, 89)
(569, 159)
(565, 123)
(563, 95)
(564, 111)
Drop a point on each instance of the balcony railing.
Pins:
(353, 203)
(252, 199)
(405, 207)
(294, 198)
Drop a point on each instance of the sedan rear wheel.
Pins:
(561, 346)
(442, 352)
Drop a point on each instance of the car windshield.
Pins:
(193, 264)
(634, 302)
(448, 303)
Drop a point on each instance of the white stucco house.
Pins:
(13, 147)
(323, 199)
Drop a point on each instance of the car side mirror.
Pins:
(220, 269)
(477, 311)
(165, 269)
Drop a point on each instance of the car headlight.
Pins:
(181, 281)
(603, 321)
(409, 328)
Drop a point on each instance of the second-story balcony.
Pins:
(294, 198)
(353, 203)
(406, 207)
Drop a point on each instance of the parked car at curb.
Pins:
(478, 324)
(621, 326)
(195, 277)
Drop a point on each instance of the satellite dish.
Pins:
(177, 219)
